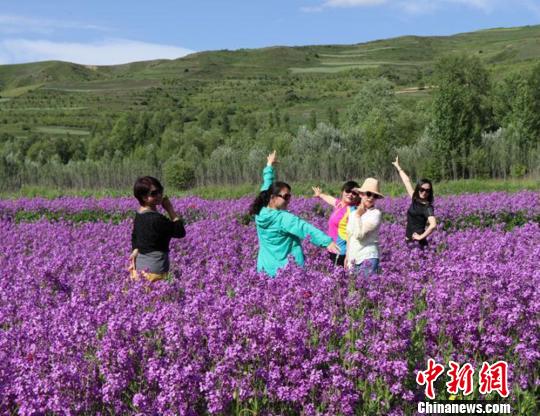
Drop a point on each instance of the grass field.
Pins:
(17, 92)
(62, 130)
(302, 189)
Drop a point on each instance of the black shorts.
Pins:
(417, 243)
(337, 259)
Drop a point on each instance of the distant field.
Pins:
(330, 70)
(17, 92)
(51, 108)
(110, 85)
(62, 130)
(388, 188)
(303, 189)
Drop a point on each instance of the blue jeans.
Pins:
(367, 267)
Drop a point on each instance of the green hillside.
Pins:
(501, 46)
(231, 98)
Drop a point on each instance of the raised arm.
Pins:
(167, 206)
(268, 172)
(404, 178)
(173, 227)
(330, 200)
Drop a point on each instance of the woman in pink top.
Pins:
(337, 223)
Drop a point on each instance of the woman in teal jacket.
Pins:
(280, 232)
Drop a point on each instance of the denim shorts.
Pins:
(367, 267)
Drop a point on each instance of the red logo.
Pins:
(491, 378)
(461, 378)
(494, 378)
(429, 377)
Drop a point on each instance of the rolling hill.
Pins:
(54, 98)
(504, 47)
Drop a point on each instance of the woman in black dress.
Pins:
(421, 221)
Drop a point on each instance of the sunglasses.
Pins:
(155, 192)
(353, 193)
(428, 190)
(286, 197)
(372, 195)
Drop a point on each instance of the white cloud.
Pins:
(10, 24)
(411, 6)
(418, 6)
(108, 52)
(486, 5)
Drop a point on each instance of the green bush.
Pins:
(518, 170)
(179, 174)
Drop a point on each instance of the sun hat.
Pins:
(370, 185)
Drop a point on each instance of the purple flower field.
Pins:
(78, 337)
(447, 207)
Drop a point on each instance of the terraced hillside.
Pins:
(302, 78)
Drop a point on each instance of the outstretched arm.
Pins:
(404, 178)
(330, 200)
(294, 225)
(268, 172)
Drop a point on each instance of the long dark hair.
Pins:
(263, 198)
(416, 194)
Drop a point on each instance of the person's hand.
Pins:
(271, 159)
(360, 209)
(316, 191)
(333, 248)
(396, 163)
(166, 203)
(416, 237)
(132, 258)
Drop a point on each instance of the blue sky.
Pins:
(102, 32)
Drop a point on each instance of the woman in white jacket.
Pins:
(363, 231)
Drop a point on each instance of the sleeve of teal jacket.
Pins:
(268, 178)
(291, 224)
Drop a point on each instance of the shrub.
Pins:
(179, 174)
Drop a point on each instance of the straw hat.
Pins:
(370, 185)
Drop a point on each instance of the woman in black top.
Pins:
(421, 219)
(152, 231)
